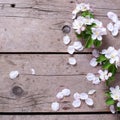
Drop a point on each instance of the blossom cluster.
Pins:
(86, 27)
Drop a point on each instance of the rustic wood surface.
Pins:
(24, 27)
(36, 26)
(59, 117)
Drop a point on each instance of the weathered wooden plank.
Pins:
(58, 117)
(36, 26)
(35, 93)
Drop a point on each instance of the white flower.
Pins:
(90, 77)
(112, 54)
(95, 53)
(88, 21)
(71, 50)
(78, 46)
(76, 103)
(104, 75)
(83, 96)
(59, 95)
(93, 62)
(66, 39)
(66, 92)
(78, 24)
(89, 102)
(55, 106)
(112, 109)
(112, 16)
(91, 92)
(98, 33)
(13, 74)
(72, 61)
(115, 93)
(98, 23)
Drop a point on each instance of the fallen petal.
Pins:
(76, 96)
(89, 102)
(13, 74)
(110, 27)
(60, 95)
(33, 71)
(83, 96)
(66, 92)
(90, 77)
(71, 50)
(72, 61)
(112, 16)
(95, 53)
(78, 46)
(112, 109)
(55, 106)
(115, 32)
(66, 40)
(76, 103)
(91, 92)
(93, 62)
(96, 81)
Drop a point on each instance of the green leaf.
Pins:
(110, 80)
(101, 58)
(87, 14)
(89, 43)
(108, 94)
(110, 101)
(97, 43)
(112, 69)
(106, 65)
(118, 108)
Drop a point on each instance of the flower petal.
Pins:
(112, 16)
(66, 40)
(55, 106)
(115, 32)
(83, 96)
(78, 45)
(72, 61)
(59, 95)
(89, 102)
(91, 92)
(71, 50)
(95, 53)
(76, 96)
(13, 74)
(76, 103)
(112, 109)
(66, 92)
(96, 81)
(110, 27)
(33, 71)
(90, 76)
(118, 104)
(93, 62)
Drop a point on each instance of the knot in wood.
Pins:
(18, 91)
(66, 29)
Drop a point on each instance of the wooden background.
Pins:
(31, 31)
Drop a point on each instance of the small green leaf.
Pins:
(110, 101)
(97, 43)
(112, 69)
(106, 65)
(101, 58)
(87, 14)
(108, 94)
(89, 43)
(118, 108)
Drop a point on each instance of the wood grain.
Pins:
(38, 91)
(59, 117)
(36, 25)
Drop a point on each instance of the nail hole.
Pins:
(66, 29)
(12, 5)
(71, 1)
(18, 91)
